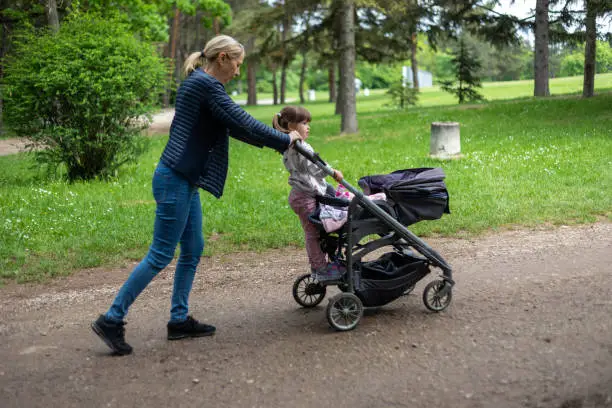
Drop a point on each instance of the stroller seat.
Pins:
(359, 213)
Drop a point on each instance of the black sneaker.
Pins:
(113, 334)
(189, 328)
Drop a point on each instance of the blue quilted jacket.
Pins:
(205, 117)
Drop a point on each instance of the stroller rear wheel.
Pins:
(432, 298)
(344, 311)
(307, 291)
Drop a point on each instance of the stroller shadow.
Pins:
(314, 320)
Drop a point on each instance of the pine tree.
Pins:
(466, 80)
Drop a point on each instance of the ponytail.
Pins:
(194, 61)
(290, 115)
(280, 123)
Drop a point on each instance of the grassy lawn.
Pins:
(378, 100)
(526, 162)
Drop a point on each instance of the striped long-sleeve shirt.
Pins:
(205, 116)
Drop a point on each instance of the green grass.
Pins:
(378, 99)
(527, 162)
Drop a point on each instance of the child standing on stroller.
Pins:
(307, 181)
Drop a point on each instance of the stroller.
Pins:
(412, 195)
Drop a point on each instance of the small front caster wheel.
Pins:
(307, 291)
(432, 298)
(344, 311)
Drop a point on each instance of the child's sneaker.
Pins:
(332, 272)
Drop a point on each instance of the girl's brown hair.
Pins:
(219, 44)
(290, 114)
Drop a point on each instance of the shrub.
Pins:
(79, 95)
(402, 94)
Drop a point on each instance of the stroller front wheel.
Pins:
(432, 299)
(307, 291)
(344, 311)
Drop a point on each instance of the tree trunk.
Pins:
(52, 15)
(413, 61)
(198, 32)
(590, 51)
(540, 62)
(285, 58)
(339, 94)
(3, 51)
(303, 76)
(174, 24)
(274, 87)
(179, 57)
(251, 74)
(304, 55)
(331, 79)
(252, 83)
(348, 108)
(216, 26)
(175, 27)
(283, 84)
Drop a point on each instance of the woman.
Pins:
(195, 157)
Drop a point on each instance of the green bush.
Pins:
(79, 95)
(402, 94)
(573, 64)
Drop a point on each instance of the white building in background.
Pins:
(425, 77)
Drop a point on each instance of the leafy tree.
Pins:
(80, 94)
(573, 63)
(466, 82)
(144, 18)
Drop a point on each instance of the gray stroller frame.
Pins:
(366, 217)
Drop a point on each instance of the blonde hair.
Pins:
(288, 115)
(219, 44)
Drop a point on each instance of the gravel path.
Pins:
(160, 124)
(529, 326)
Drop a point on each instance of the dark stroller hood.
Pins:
(416, 194)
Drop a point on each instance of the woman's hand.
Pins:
(338, 176)
(295, 136)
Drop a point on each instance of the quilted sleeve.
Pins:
(242, 126)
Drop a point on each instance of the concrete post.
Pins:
(445, 140)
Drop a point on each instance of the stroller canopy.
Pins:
(416, 194)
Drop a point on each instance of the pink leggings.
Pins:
(304, 205)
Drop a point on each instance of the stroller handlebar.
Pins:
(316, 159)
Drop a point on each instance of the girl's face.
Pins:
(303, 128)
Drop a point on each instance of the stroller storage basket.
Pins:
(416, 194)
(388, 277)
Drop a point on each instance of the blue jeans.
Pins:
(178, 219)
